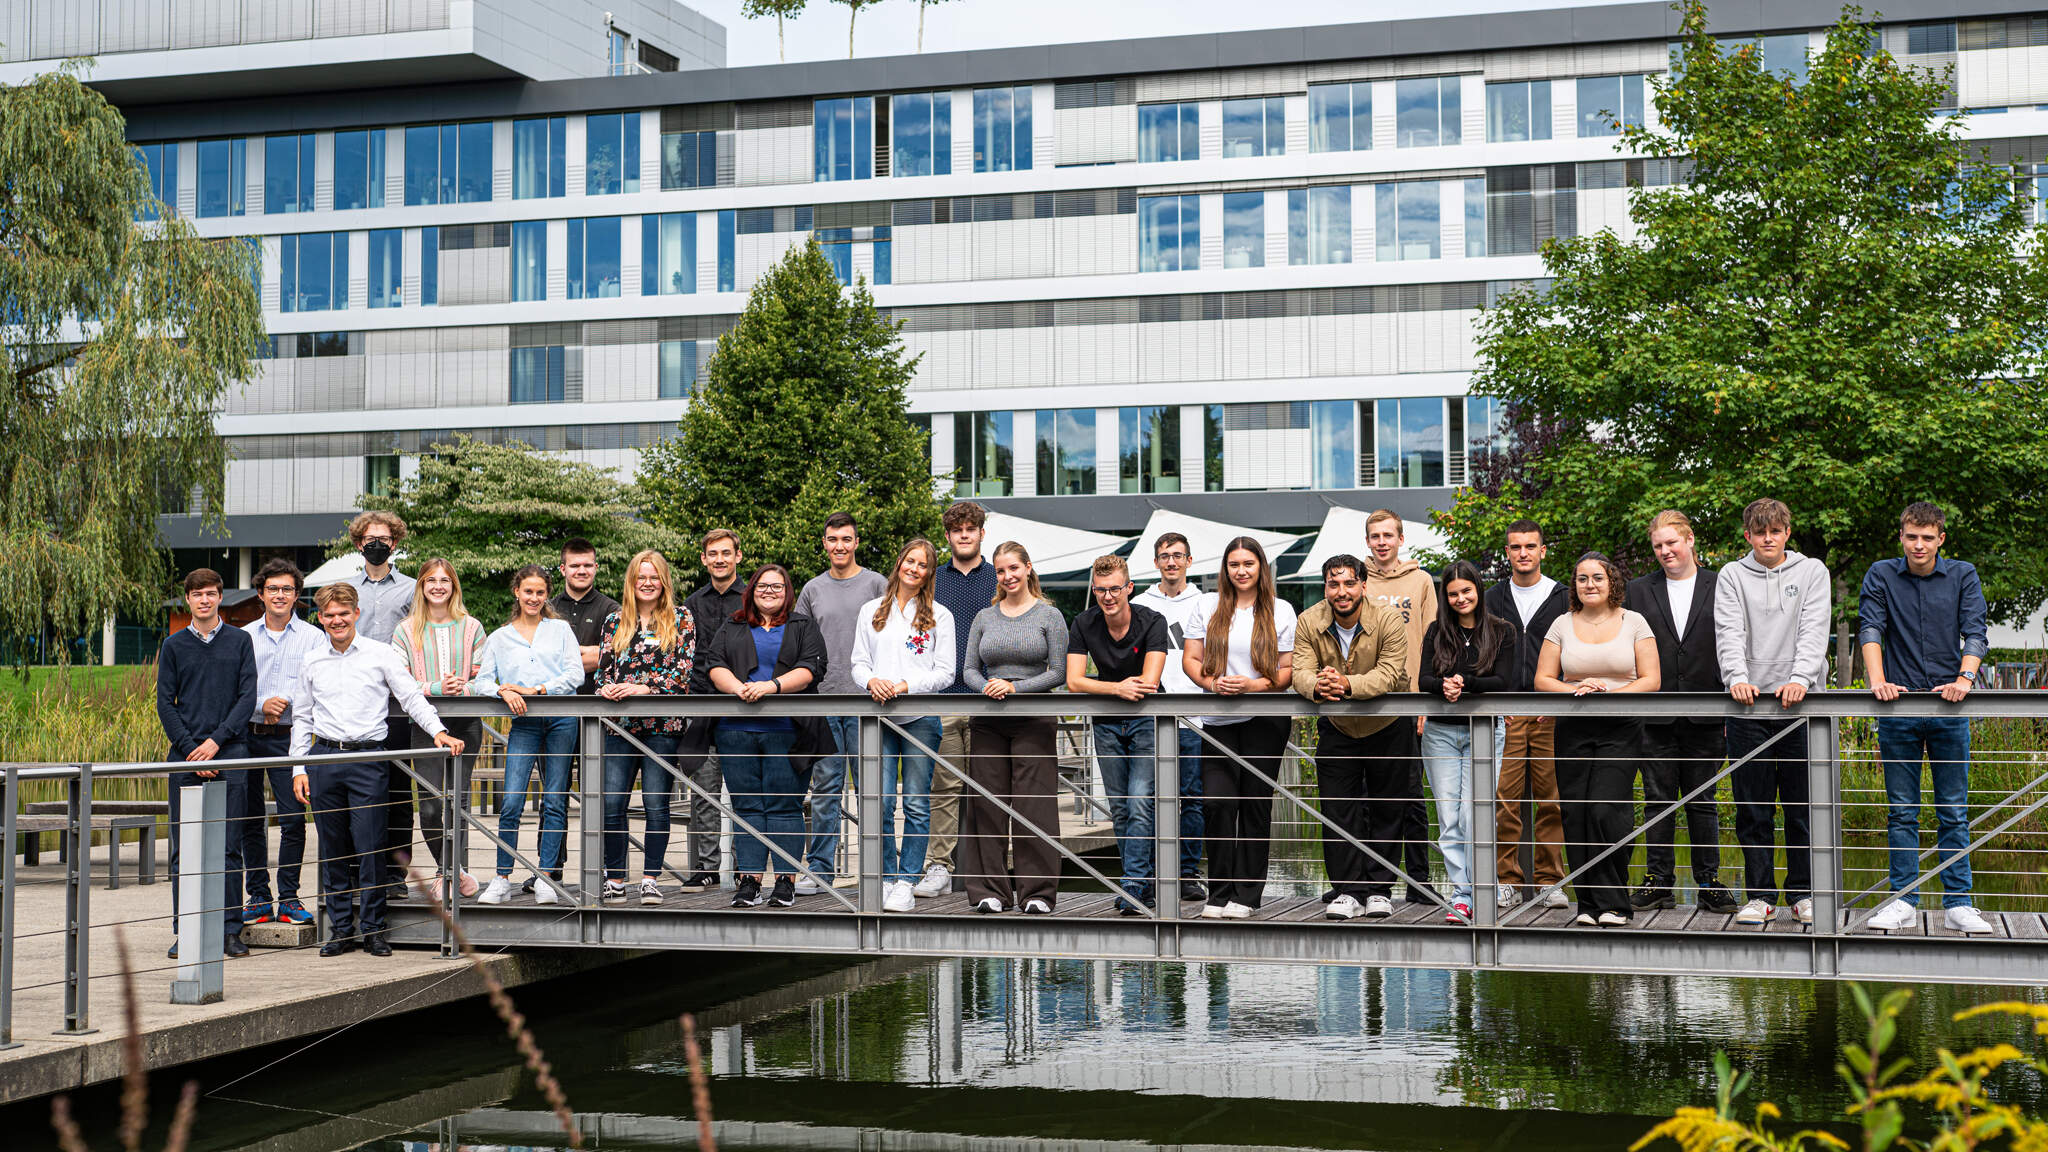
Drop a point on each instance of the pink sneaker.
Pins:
(467, 884)
(1460, 913)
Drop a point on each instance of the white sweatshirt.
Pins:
(923, 660)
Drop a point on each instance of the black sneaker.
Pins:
(1125, 907)
(1655, 893)
(701, 882)
(1192, 888)
(1714, 896)
(749, 894)
(784, 895)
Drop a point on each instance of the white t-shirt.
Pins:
(1175, 609)
(1680, 592)
(1344, 638)
(1528, 600)
(1237, 659)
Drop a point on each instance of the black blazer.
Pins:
(1500, 601)
(803, 646)
(1689, 664)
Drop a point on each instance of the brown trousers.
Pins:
(1528, 764)
(1016, 760)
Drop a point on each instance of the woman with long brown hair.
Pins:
(645, 651)
(1238, 640)
(534, 654)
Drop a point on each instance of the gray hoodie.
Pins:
(1771, 624)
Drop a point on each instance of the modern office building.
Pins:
(1233, 274)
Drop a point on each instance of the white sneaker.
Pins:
(543, 893)
(1585, 920)
(1965, 919)
(1555, 898)
(650, 891)
(988, 904)
(1212, 911)
(1343, 908)
(897, 897)
(1236, 911)
(937, 882)
(1378, 907)
(497, 891)
(1894, 916)
(808, 886)
(1506, 896)
(1755, 912)
(1612, 919)
(1804, 910)
(1033, 906)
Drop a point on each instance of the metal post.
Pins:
(455, 844)
(1824, 810)
(77, 904)
(9, 798)
(1485, 866)
(202, 926)
(590, 822)
(1166, 824)
(871, 814)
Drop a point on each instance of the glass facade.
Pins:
(1212, 448)
(312, 272)
(539, 157)
(922, 123)
(1244, 230)
(448, 163)
(1148, 449)
(668, 254)
(843, 139)
(594, 258)
(689, 160)
(160, 164)
(1169, 233)
(983, 453)
(387, 268)
(1255, 127)
(223, 177)
(288, 174)
(1428, 112)
(1002, 129)
(530, 260)
(727, 262)
(611, 154)
(1340, 117)
(359, 169)
(1169, 132)
(537, 375)
(1604, 99)
(1066, 451)
(1319, 225)
(678, 370)
(1333, 428)
(1408, 220)
(1475, 219)
(430, 266)
(1518, 111)
(1411, 442)
(1486, 431)
(1785, 55)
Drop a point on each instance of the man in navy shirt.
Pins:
(965, 586)
(1922, 630)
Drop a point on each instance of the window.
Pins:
(1148, 449)
(1526, 206)
(594, 258)
(1002, 129)
(1408, 220)
(1603, 99)
(537, 376)
(678, 377)
(1928, 39)
(1411, 443)
(222, 176)
(160, 162)
(689, 160)
(884, 263)
(1333, 427)
(668, 254)
(1475, 219)
(611, 154)
(727, 266)
(1486, 432)
(430, 265)
(983, 453)
(837, 245)
(1169, 233)
(1518, 111)
(653, 59)
(288, 174)
(1340, 117)
(843, 137)
(1427, 113)
(448, 163)
(530, 260)
(313, 272)
(539, 149)
(1255, 127)
(1212, 448)
(358, 170)
(923, 125)
(1066, 452)
(1785, 55)
(1319, 225)
(380, 474)
(387, 268)
(617, 56)
(1244, 230)
(1168, 132)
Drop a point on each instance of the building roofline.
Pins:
(1554, 27)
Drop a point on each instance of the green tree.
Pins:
(491, 509)
(122, 341)
(853, 10)
(803, 413)
(781, 10)
(1839, 304)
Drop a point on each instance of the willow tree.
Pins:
(121, 341)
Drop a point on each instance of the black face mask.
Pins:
(376, 552)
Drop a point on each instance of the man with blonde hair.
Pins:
(1127, 644)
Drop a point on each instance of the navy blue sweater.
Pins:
(205, 691)
(963, 596)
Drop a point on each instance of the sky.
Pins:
(889, 28)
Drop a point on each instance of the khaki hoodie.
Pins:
(1411, 592)
(1378, 654)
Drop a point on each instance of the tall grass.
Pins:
(74, 715)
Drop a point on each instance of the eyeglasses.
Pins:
(1116, 591)
(274, 589)
(1171, 558)
(771, 587)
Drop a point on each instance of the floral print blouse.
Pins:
(668, 673)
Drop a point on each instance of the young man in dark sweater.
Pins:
(965, 585)
(205, 694)
(710, 606)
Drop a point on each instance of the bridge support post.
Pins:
(202, 894)
(1166, 802)
(1485, 867)
(870, 816)
(590, 821)
(8, 800)
(1824, 813)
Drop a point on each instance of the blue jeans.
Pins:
(765, 793)
(1125, 752)
(908, 772)
(551, 740)
(1447, 757)
(1945, 742)
(828, 784)
(623, 762)
(1190, 803)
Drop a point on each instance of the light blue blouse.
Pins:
(552, 660)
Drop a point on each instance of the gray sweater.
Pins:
(1030, 650)
(835, 604)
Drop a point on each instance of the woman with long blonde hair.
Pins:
(645, 650)
(1239, 639)
(442, 644)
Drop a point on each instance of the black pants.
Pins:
(1596, 775)
(1776, 777)
(291, 823)
(398, 733)
(1364, 782)
(237, 782)
(1679, 756)
(347, 810)
(450, 773)
(1238, 808)
(1415, 836)
(1015, 758)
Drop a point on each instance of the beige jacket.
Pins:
(1377, 664)
(1411, 592)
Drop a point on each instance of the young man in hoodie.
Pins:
(1349, 647)
(1403, 586)
(1771, 635)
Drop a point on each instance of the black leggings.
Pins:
(1596, 777)
(1238, 807)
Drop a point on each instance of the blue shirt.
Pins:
(767, 650)
(964, 595)
(277, 662)
(1925, 624)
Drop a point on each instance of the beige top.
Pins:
(1613, 661)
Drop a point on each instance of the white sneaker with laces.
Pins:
(1506, 896)
(497, 891)
(1236, 911)
(1212, 911)
(543, 893)
(1343, 908)
(897, 897)
(937, 882)
(1613, 919)
(1964, 918)
(650, 891)
(614, 892)
(1804, 910)
(808, 886)
(1894, 916)
(1585, 920)
(1555, 898)
(1755, 912)
(1378, 907)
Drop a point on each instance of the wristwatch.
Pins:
(1970, 675)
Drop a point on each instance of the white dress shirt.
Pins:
(346, 696)
(278, 660)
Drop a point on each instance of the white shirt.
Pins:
(1237, 658)
(346, 695)
(921, 658)
(1528, 600)
(1680, 592)
(1175, 609)
(279, 656)
(1344, 638)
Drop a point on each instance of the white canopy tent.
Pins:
(1343, 531)
(1206, 539)
(1054, 549)
(341, 569)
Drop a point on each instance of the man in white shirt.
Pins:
(1173, 597)
(341, 704)
(282, 641)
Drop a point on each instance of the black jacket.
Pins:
(710, 609)
(1689, 664)
(1500, 601)
(1493, 678)
(803, 646)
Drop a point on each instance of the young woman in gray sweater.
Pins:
(1016, 644)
